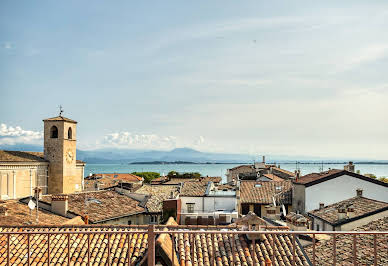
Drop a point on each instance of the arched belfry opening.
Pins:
(54, 132)
(70, 133)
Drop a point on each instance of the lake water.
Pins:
(220, 169)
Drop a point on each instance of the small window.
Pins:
(54, 132)
(278, 188)
(190, 207)
(153, 219)
(70, 133)
(129, 222)
(257, 185)
(317, 227)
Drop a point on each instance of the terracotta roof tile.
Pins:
(204, 248)
(362, 206)
(23, 156)
(194, 189)
(344, 247)
(158, 194)
(261, 192)
(19, 214)
(60, 118)
(124, 246)
(100, 205)
(110, 180)
(273, 177)
(316, 176)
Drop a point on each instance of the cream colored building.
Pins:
(55, 171)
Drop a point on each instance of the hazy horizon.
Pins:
(250, 77)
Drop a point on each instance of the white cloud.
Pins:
(13, 135)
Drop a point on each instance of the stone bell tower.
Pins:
(60, 151)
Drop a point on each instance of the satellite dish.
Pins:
(284, 210)
(31, 204)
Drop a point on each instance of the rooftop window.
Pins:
(257, 185)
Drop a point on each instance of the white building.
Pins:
(203, 203)
(312, 190)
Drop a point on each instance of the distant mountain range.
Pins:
(114, 155)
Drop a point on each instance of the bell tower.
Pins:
(60, 150)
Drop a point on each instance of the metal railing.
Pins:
(120, 245)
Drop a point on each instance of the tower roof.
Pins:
(60, 118)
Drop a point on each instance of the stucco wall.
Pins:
(342, 188)
(209, 204)
(16, 179)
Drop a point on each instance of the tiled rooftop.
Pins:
(262, 192)
(119, 243)
(273, 177)
(361, 206)
(100, 205)
(344, 247)
(60, 118)
(18, 214)
(23, 156)
(193, 189)
(158, 194)
(110, 180)
(204, 248)
(316, 176)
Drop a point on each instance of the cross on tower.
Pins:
(60, 110)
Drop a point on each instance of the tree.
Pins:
(148, 176)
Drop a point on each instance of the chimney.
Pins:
(38, 193)
(59, 204)
(263, 159)
(349, 167)
(350, 211)
(359, 192)
(297, 175)
(171, 194)
(86, 219)
(341, 213)
(321, 205)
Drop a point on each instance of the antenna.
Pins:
(60, 110)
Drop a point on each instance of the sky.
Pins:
(255, 77)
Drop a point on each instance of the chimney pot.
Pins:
(59, 204)
(359, 192)
(321, 205)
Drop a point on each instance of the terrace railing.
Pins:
(79, 241)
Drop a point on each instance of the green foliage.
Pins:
(148, 176)
(384, 179)
(174, 174)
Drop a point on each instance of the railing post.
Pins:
(293, 250)
(8, 247)
(375, 249)
(68, 248)
(88, 249)
(314, 249)
(28, 249)
(334, 250)
(108, 249)
(151, 245)
(48, 249)
(354, 250)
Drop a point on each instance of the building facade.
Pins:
(55, 171)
